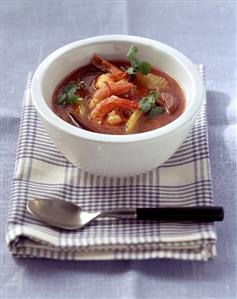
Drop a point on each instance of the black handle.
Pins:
(200, 214)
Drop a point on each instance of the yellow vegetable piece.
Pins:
(114, 118)
(152, 81)
(132, 121)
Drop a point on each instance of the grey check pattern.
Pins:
(42, 172)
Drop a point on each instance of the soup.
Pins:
(118, 97)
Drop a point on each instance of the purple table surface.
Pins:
(205, 32)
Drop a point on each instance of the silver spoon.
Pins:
(65, 214)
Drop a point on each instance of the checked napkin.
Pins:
(42, 172)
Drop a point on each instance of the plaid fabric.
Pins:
(42, 172)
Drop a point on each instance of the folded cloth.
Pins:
(42, 172)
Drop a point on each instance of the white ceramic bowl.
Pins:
(116, 155)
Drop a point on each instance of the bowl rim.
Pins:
(48, 115)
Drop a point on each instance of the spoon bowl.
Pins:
(60, 213)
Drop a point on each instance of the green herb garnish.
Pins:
(137, 66)
(156, 110)
(148, 104)
(68, 95)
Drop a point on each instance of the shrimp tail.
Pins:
(106, 66)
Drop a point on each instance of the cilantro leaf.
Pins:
(156, 110)
(136, 66)
(132, 56)
(144, 68)
(69, 87)
(148, 102)
(68, 95)
(62, 99)
(71, 93)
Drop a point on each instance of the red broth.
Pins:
(89, 74)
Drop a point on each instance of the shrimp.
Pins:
(109, 90)
(100, 81)
(107, 67)
(113, 82)
(109, 104)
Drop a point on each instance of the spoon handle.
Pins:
(200, 214)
